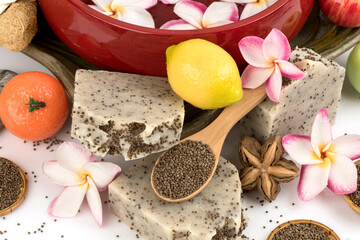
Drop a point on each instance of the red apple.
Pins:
(345, 13)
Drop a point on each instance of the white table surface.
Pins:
(31, 217)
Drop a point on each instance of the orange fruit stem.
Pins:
(34, 105)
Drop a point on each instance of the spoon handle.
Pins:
(233, 113)
(216, 132)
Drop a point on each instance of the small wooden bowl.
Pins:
(21, 195)
(353, 206)
(333, 235)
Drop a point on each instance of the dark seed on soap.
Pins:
(11, 184)
(183, 169)
(301, 231)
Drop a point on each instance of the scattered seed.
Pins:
(50, 142)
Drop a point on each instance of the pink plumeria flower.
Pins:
(195, 15)
(81, 174)
(130, 11)
(254, 7)
(169, 1)
(325, 162)
(234, 1)
(268, 60)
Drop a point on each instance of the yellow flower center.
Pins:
(326, 156)
(82, 176)
(117, 8)
(259, 2)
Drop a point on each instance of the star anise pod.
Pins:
(264, 166)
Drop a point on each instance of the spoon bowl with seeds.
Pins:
(184, 170)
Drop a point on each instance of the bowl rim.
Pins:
(22, 193)
(331, 232)
(145, 30)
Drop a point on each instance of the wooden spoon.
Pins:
(214, 135)
(332, 234)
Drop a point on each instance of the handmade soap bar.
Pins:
(5, 76)
(300, 99)
(215, 213)
(128, 114)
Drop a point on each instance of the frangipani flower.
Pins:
(4, 4)
(234, 1)
(254, 7)
(169, 1)
(268, 60)
(130, 11)
(78, 170)
(195, 15)
(326, 162)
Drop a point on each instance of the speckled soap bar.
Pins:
(300, 99)
(214, 214)
(120, 113)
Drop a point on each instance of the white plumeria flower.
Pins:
(195, 15)
(130, 11)
(254, 7)
(234, 1)
(81, 174)
(325, 162)
(169, 1)
(4, 4)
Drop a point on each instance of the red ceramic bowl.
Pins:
(114, 45)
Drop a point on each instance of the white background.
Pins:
(327, 208)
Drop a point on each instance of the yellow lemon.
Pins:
(203, 74)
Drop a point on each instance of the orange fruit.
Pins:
(33, 106)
